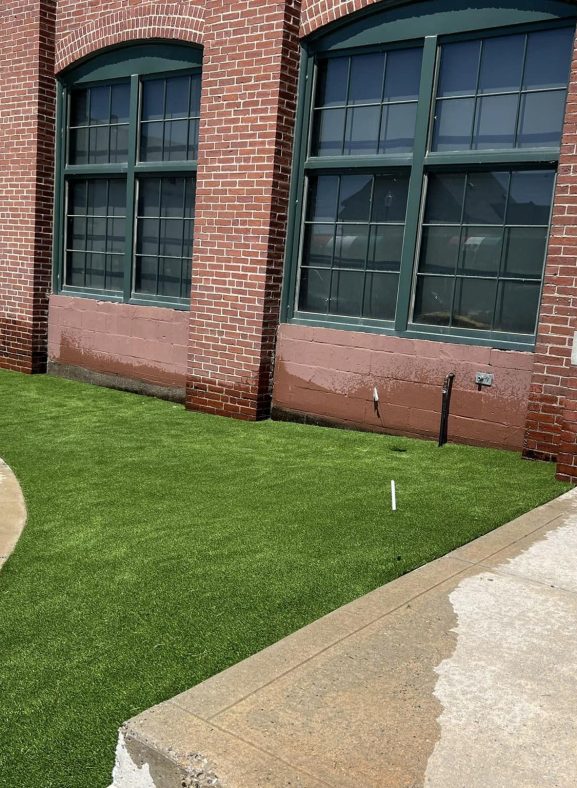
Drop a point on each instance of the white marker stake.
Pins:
(393, 497)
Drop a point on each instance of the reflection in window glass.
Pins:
(98, 130)
(164, 232)
(483, 240)
(502, 92)
(95, 233)
(367, 104)
(353, 239)
(169, 122)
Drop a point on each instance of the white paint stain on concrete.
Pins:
(508, 691)
(126, 773)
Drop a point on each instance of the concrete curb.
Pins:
(349, 700)
(12, 512)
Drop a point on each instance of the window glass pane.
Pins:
(496, 122)
(195, 92)
(314, 290)
(355, 198)
(491, 248)
(118, 143)
(171, 233)
(96, 234)
(78, 149)
(149, 197)
(322, 198)
(79, 107)
(362, 135)
(433, 300)
(380, 301)
(99, 145)
(486, 197)
(318, 245)
(193, 127)
(153, 99)
(99, 105)
(501, 64)
(541, 120)
(398, 128)
(517, 307)
(474, 303)
(390, 198)
(403, 75)
(439, 249)
(366, 80)
(120, 103)
(329, 132)
(481, 251)
(351, 246)
(146, 271)
(453, 124)
(548, 58)
(525, 252)
(170, 277)
(459, 69)
(445, 194)
(75, 269)
(347, 293)
(148, 236)
(333, 76)
(151, 141)
(177, 97)
(175, 140)
(172, 201)
(385, 248)
(530, 197)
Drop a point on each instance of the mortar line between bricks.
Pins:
(251, 744)
(402, 604)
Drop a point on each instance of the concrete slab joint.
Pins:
(412, 684)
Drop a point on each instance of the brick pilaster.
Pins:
(552, 419)
(249, 93)
(27, 99)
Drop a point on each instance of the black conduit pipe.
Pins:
(446, 405)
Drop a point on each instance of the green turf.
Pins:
(163, 546)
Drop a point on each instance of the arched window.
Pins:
(126, 162)
(426, 160)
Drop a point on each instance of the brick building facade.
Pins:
(297, 306)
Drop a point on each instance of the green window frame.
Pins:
(332, 149)
(126, 161)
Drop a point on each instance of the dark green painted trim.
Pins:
(394, 20)
(389, 24)
(305, 86)
(133, 142)
(496, 339)
(133, 61)
(129, 59)
(57, 256)
(412, 222)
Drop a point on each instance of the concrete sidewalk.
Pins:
(12, 512)
(462, 674)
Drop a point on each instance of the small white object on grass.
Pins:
(393, 496)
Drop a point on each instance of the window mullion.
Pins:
(129, 258)
(416, 182)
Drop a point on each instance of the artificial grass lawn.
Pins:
(163, 546)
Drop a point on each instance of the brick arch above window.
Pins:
(174, 21)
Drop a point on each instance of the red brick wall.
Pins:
(248, 104)
(26, 167)
(552, 419)
(132, 342)
(331, 374)
(317, 13)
